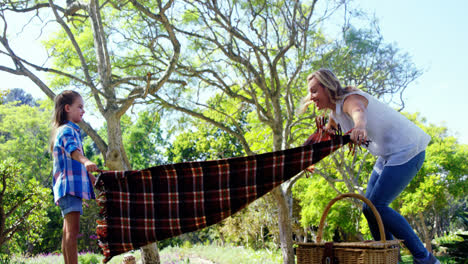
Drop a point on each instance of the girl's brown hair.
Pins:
(59, 118)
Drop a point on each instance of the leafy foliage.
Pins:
(344, 218)
(20, 96)
(438, 186)
(3, 94)
(458, 247)
(441, 185)
(143, 140)
(254, 226)
(24, 135)
(241, 74)
(364, 60)
(23, 204)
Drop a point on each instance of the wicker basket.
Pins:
(366, 252)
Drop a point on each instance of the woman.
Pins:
(399, 144)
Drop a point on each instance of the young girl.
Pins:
(399, 144)
(71, 182)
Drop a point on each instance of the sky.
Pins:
(433, 32)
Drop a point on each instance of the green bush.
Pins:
(88, 259)
(457, 244)
(24, 203)
(458, 248)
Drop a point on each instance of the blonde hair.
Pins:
(329, 81)
(60, 117)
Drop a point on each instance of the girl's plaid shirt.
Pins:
(70, 176)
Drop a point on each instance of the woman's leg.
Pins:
(372, 222)
(385, 188)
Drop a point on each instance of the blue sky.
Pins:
(433, 32)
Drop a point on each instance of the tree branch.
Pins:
(162, 18)
(219, 125)
(44, 69)
(84, 65)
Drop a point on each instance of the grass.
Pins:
(408, 259)
(83, 258)
(226, 255)
(196, 254)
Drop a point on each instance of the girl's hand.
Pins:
(359, 135)
(92, 178)
(90, 166)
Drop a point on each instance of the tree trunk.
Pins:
(116, 159)
(284, 223)
(150, 254)
(426, 237)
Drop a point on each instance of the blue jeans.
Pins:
(382, 190)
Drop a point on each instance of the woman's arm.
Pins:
(356, 107)
(331, 126)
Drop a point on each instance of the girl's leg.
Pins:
(71, 228)
(72, 208)
(388, 185)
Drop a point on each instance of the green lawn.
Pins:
(197, 254)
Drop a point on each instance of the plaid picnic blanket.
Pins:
(143, 206)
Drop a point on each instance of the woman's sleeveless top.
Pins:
(392, 136)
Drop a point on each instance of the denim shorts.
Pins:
(70, 203)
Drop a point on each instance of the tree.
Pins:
(88, 54)
(252, 55)
(3, 95)
(22, 207)
(17, 94)
(143, 140)
(343, 222)
(438, 186)
(253, 226)
(255, 55)
(429, 202)
(24, 135)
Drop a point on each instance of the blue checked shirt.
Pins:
(70, 176)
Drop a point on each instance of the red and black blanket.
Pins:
(143, 206)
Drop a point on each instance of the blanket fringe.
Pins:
(101, 229)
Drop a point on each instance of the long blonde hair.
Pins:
(333, 87)
(60, 117)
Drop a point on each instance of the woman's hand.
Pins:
(359, 135)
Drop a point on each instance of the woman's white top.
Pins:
(393, 137)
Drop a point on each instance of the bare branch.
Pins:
(44, 69)
(162, 18)
(14, 228)
(100, 143)
(84, 64)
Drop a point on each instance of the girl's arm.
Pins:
(356, 107)
(90, 166)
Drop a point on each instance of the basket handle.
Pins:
(360, 197)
